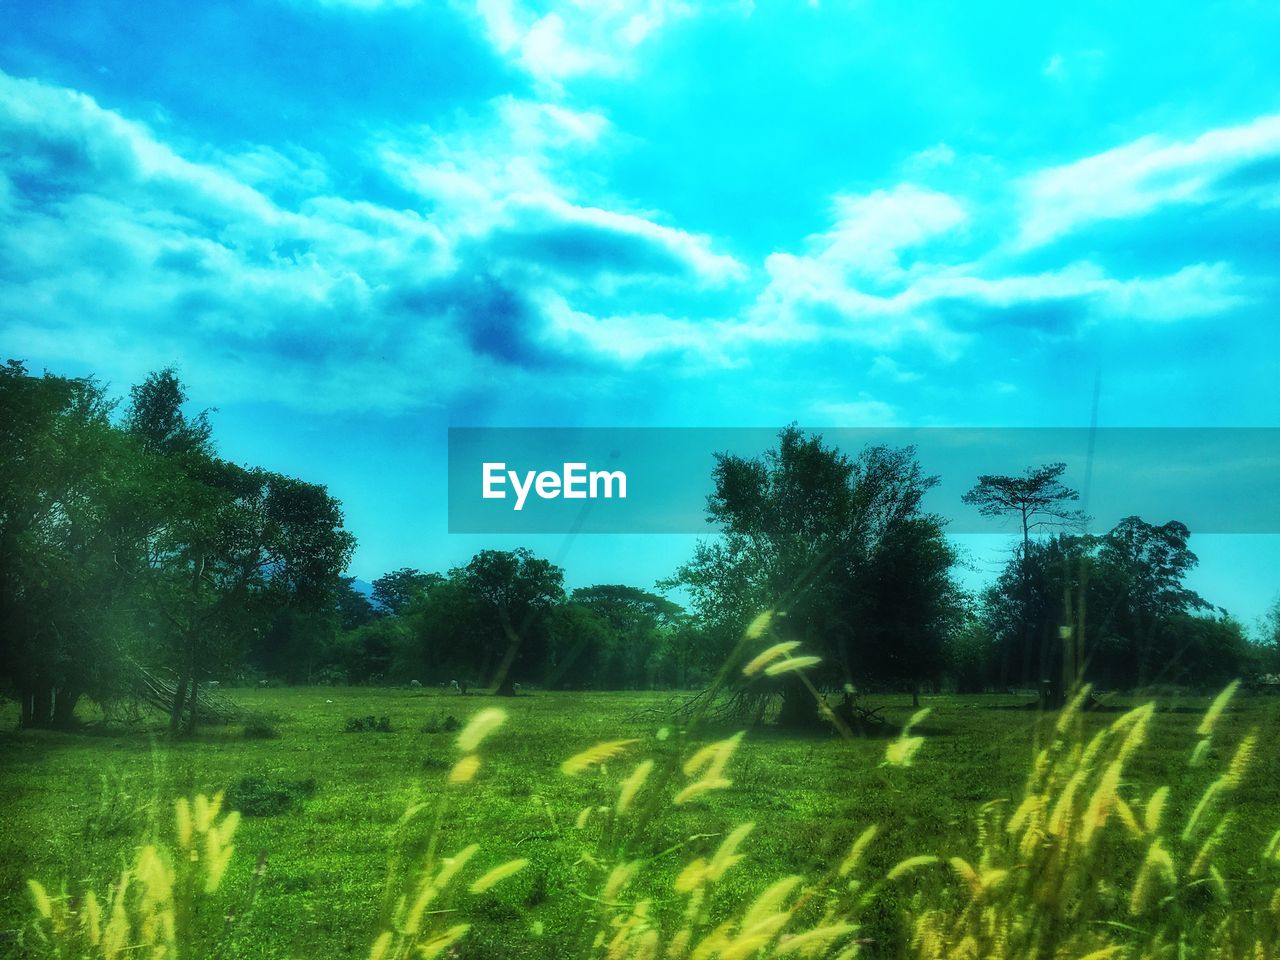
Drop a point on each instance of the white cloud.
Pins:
(122, 247)
(574, 38)
(1139, 177)
(872, 232)
(502, 177)
(939, 155)
(635, 337)
(852, 282)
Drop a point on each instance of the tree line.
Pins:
(127, 544)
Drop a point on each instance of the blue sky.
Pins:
(354, 224)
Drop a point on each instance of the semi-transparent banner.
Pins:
(657, 479)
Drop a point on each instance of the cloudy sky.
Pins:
(353, 223)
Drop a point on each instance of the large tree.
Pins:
(638, 622)
(830, 545)
(66, 488)
(1122, 601)
(516, 590)
(238, 547)
(1140, 574)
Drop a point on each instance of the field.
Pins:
(77, 805)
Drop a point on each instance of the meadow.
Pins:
(326, 807)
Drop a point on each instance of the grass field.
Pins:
(77, 805)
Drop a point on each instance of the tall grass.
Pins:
(1088, 863)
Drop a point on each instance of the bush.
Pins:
(260, 728)
(367, 725)
(264, 796)
(449, 724)
(332, 677)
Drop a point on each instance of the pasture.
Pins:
(326, 803)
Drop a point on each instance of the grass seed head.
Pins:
(479, 727)
(498, 874)
(763, 659)
(594, 756)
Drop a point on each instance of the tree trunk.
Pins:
(1025, 576)
(179, 702)
(503, 681)
(195, 701)
(799, 709)
(915, 697)
(64, 708)
(41, 707)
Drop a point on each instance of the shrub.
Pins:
(368, 725)
(449, 724)
(332, 677)
(263, 796)
(260, 728)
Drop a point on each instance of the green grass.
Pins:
(76, 805)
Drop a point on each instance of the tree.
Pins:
(1121, 598)
(1038, 499)
(135, 543)
(1270, 638)
(155, 416)
(1204, 652)
(366, 654)
(353, 607)
(516, 590)
(911, 607)
(582, 647)
(1025, 610)
(1144, 565)
(226, 547)
(638, 621)
(393, 592)
(65, 479)
(450, 634)
(810, 534)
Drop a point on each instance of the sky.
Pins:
(352, 224)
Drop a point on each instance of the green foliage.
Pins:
(515, 591)
(612, 635)
(263, 795)
(135, 543)
(354, 608)
(260, 728)
(69, 486)
(841, 550)
(394, 592)
(1132, 620)
(369, 724)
